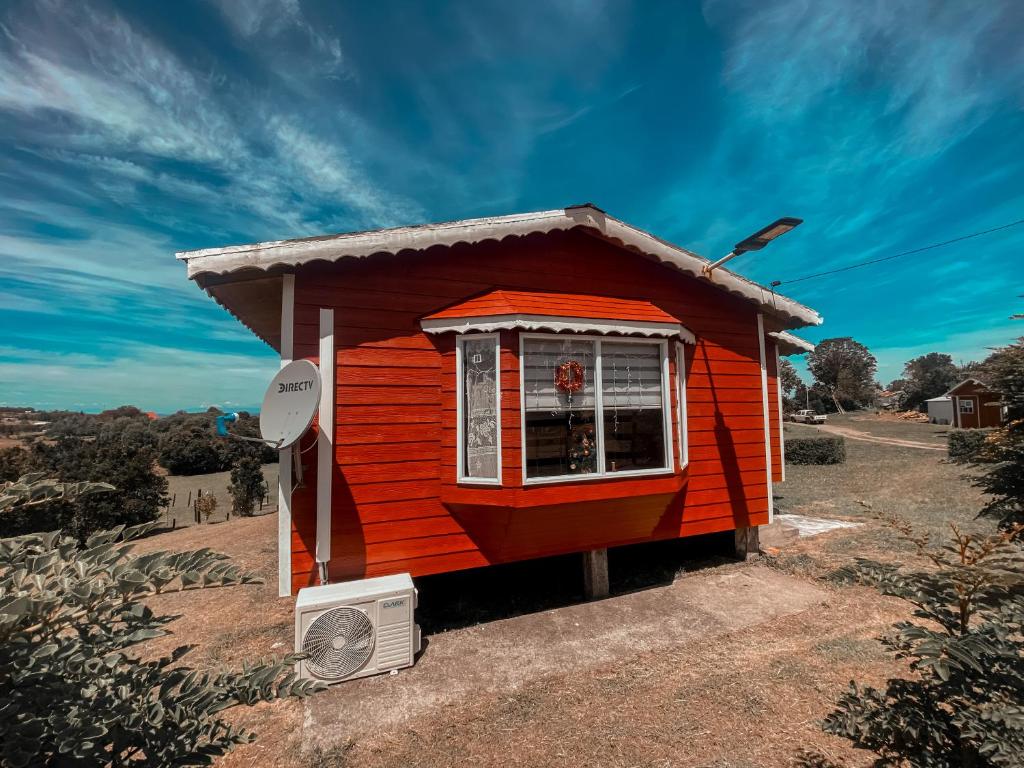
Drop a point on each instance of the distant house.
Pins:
(889, 400)
(974, 405)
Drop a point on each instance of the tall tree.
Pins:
(846, 369)
(928, 376)
(790, 383)
(1004, 448)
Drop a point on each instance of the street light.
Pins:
(758, 240)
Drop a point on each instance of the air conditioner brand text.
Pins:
(393, 603)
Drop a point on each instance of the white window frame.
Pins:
(601, 474)
(460, 397)
(684, 429)
(968, 402)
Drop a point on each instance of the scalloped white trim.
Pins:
(791, 345)
(490, 323)
(587, 218)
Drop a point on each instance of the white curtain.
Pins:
(480, 428)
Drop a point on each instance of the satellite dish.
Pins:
(290, 403)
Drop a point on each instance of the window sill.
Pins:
(470, 482)
(595, 478)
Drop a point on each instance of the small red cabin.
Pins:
(513, 387)
(975, 405)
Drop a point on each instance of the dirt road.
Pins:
(856, 434)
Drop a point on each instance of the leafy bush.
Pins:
(190, 451)
(14, 462)
(206, 506)
(963, 705)
(140, 493)
(815, 450)
(966, 444)
(1004, 370)
(71, 693)
(247, 485)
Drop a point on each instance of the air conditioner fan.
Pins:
(338, 642)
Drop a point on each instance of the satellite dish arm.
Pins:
(231, 418)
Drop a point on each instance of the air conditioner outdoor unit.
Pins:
(356, 628)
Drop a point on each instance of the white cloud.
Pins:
(174, 378)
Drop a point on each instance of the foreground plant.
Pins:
(70, 691)
(964, 706)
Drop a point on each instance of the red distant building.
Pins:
(513, 387)
(975, 405)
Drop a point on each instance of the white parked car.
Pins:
(808, 417)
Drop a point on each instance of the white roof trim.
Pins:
(797, 345)
(292, 253)
(489, 323)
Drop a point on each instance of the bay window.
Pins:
(594, 407)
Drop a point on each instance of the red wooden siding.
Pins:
(396, 504)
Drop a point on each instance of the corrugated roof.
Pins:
(587, 218)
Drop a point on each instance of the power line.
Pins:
(898, 255)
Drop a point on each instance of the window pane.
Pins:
(480, 416)
(634, 422)
(560, 428)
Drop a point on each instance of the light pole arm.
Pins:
(720, 262)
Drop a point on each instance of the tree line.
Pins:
(843, 376)
(126, 448)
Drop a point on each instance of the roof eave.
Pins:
(285, 254)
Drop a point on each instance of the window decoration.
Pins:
(479, 422)
(603, 410)
(569, 377)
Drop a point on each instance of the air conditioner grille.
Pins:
(338, 642)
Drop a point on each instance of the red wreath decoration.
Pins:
(569, 377)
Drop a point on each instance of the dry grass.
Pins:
(751, 697)
(182, 488)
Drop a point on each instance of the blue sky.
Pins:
(132, 130)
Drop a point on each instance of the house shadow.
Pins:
(462, 599)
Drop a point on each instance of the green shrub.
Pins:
(966, 444)
(247, 485)
(71, 691)
(961, 703)
(815, 450)
(139, 495)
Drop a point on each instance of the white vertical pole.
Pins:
(778, 391)
(325, 443)
(284, 461)
(767, 417)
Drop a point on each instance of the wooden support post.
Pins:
(748, 543)
(595, 574)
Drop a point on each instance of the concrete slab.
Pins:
(812, 526)
(504, 655)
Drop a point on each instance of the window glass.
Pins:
(563, 431)
(559, 400)
(966, 406)
(479, 408)
(634, 420)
